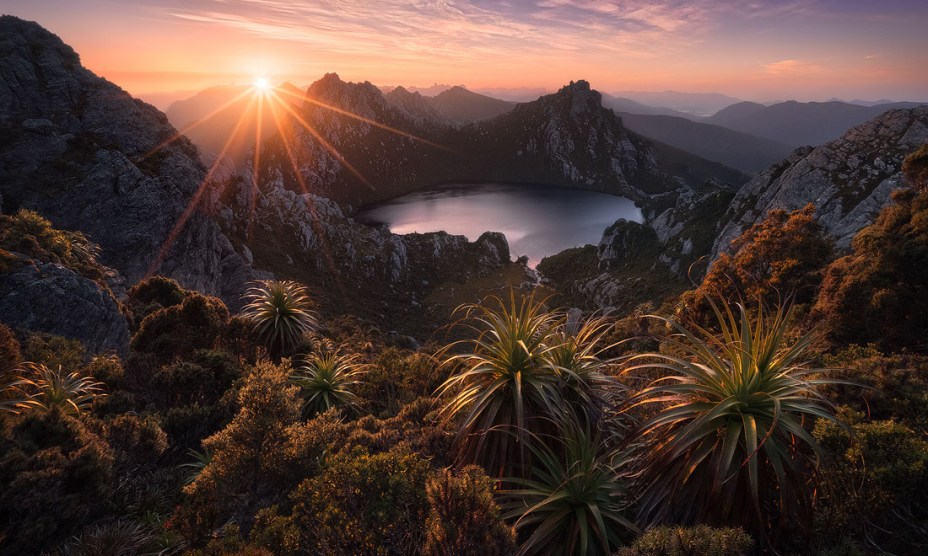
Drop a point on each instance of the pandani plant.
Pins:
(730, 434)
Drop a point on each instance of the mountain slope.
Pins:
(77, 149)
(739, 150)
(849, 180)
(461, 106)
(798, 123)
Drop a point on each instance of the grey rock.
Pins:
(49, 298)
(849, 180)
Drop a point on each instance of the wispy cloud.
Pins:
(455, 29)
(792, 67)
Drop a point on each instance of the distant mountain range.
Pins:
(799, 123)
(691, 104)
(741, 151)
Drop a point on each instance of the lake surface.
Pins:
(537, 220)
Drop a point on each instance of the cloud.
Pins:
(456, 29)
(791, 67)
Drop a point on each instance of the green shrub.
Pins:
(783, 255)
(364, 504)
(463, 516)
(729, 435)
(29, 233)
(153, 294)
(877, 293)
(874, 481)
(397, 377)
(249, 456)
(137, 442)
(55, 477)
(201, 381)
(10, 352)
(54, 351)
(698, 540)
(178, 331)
(281, 313)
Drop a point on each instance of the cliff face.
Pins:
(849, 180)
(82, 152)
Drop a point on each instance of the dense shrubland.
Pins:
(780, 406)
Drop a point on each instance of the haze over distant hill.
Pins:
(210, 117)
(799, 123)
(739, 150)
(692, 104)
(627, 105)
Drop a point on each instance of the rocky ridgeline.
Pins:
(566, 138)
(73, 148)
(849, 180)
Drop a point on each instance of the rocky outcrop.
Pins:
(310, 238)
(49, 298)
(849, 180)
(85, 154)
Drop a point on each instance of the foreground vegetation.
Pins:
(780, 407)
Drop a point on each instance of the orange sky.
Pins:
(758, 51)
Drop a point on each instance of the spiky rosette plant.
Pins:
(38, 387)
(573, 500)
(280, 311)
(730, 434)
(577, 351)
(328, 379)
(505, 389)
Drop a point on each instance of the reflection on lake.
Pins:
(537, 220)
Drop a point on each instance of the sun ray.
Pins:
(195, 201)
(328, 146)
(369, 121)
(256, 162)
(197, 123)
(310, 203)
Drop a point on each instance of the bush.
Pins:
(55, 477)
(178, 331)
(699, 540)
(396, 378)
(874, 482)
(249, 454)
(364, 504)
(153, 294)
(463, 516)
(10, 352)
(877, 294)
(729, 441)
(27, 232)
(54, 351)
(202, 381)
(137, 442)
(781, 256)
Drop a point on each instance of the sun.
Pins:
(261, 84)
